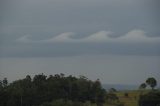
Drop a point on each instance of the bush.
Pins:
(126, 94)
(150, 99)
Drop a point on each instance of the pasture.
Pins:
(128, 98)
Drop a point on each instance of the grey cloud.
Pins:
(74, 49)
(43, 21)
(81, 16)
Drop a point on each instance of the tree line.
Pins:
(42, 90)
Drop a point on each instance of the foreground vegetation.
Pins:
(51, 90)
(61, 90)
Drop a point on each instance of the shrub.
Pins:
(150, 99)
(126, 94)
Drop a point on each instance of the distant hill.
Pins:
(120, 86)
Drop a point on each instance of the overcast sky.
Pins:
(116, 41)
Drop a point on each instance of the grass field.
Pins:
(131, 99)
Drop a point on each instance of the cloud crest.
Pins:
(133, 36)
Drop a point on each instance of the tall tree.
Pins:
(143, 86)
(5, 82)
(151, 82)
(1, 84)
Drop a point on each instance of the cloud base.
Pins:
(134, 36)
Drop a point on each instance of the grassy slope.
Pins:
(131, 100)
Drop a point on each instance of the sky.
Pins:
(116, 41)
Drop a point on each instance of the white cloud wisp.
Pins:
(134, 36)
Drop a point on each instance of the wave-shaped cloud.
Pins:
(99, 37)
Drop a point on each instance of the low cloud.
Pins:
(25, 39)
(133, 36)
(64, 37)
(136, 36)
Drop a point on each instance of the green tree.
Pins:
(143, 86)
(101, 96)
(150, 99)
(98, 93)
(1, 85)
(5, 82)
(112, 90)
(151, 82)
